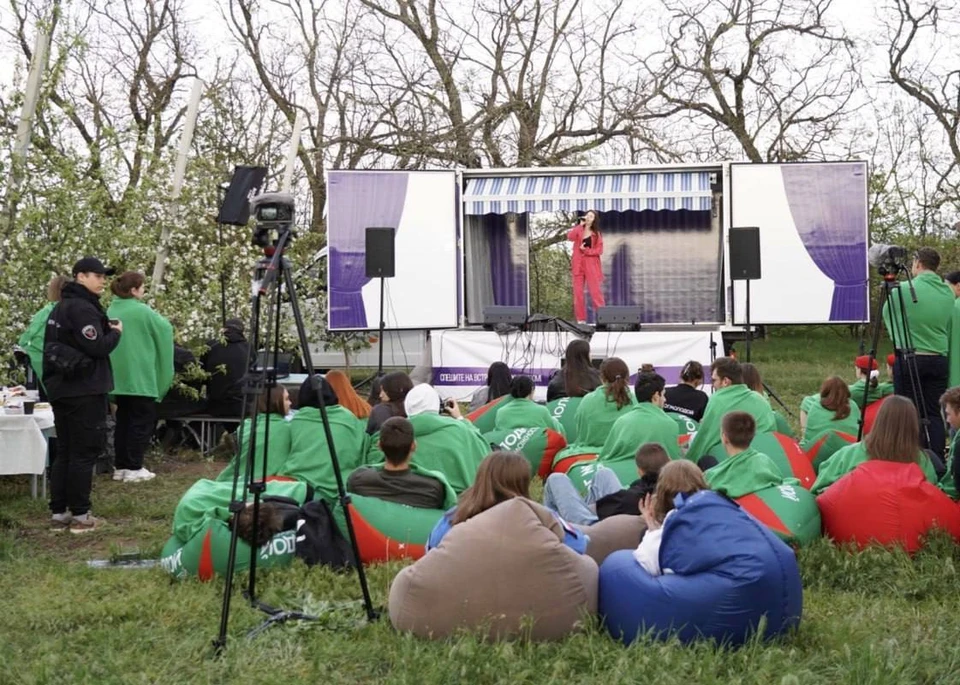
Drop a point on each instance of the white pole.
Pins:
(292, 153)
(186, 139)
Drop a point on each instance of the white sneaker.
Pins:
(138, 475)
(121, 474)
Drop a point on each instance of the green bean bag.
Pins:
(825, 445)
(789, 511)
(539, 445)
(564, 410)
(485, 417)
(688, 429)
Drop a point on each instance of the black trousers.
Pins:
(933, 371)
(136, 422)
(81, 424)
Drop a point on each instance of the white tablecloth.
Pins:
(23, 446)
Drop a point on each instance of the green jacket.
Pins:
(208, 499)
(31, 341)
(278, 447)
(309, 458)
(644, 423)
(930, 318)
(820, 420)
(596, 416)
(954, 344)
(525, 413)
(732, 398)
(873, 394)
(947, 483)
(449, 446)
(744, 473)
(143, 360)
(849, 457)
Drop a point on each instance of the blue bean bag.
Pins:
(728, 572)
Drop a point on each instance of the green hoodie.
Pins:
(954, 338)
(873, 394)
(525, 413)
(745, 473)
(847, 458)
(208, 499)
(449, 446)
(736, 397)
(820, 420)
(947, 483)
(596, 416)
(930, 317)
(278, 449)
(644, 423)
(142, 361)
(32, 339)
(309, 458)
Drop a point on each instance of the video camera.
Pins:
(887, 259)
(274, 213)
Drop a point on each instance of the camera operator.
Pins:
(928, 320)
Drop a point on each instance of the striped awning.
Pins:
(603, 192)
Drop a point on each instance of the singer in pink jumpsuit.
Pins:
(586, 264)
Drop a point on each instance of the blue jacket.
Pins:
(572, 538)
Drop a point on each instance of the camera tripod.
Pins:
(272, 275)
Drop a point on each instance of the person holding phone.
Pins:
(585, 265)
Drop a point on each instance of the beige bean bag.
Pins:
(622, 531)
(504, 573)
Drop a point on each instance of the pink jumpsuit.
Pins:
(586, 267)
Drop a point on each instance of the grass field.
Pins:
(876, 617)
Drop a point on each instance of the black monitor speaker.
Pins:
(745, 253)
(380, 254)
(501, 314)
(620, 317)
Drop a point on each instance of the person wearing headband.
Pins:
(868, 377)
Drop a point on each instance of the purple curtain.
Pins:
(357, 200)
(509, 274)
(828, 209)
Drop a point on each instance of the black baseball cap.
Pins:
(92, 265)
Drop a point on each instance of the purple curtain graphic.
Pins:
(357, 200)
(508, 274)
(826, 202)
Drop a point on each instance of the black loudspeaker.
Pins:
(623, 317)
(246, 182)
(745, 253)
(497, 314)
(380, 255)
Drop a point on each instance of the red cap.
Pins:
(863, 363)
(891, 358)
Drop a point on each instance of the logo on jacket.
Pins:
(89, 332)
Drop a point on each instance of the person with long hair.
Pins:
(498, 385)
(868, 378)
(585, 264)
(393, 391)
(272, 433)
(831, 409)
(600, 409)
(142, 372)
(31, 341)
(752, 378)
(577, 377)
(349, 399)
(686, 398)
(523, 411)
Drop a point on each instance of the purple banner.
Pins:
(477, 375)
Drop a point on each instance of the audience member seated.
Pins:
(753, 380)
(745, 470)
(886, 499)
(523, 411)
(184, 398)
(226, 361)
(600, 409)
(605, 497)
(498, 385)
(868, 379)
(831, 410)
(310, 458)
(349, 399)
(647, 422)
(687, 399)
(393, 391)
(729, 394)
(447, 444)
(950, 482)
(887, 441)
(272, 432)
(397, 480)
(577, 377)
(32, 339)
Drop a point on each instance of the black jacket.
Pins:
(557, 387)
(80, 324)
(227, 365)
(627, 501)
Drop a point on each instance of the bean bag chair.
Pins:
(783, 426)
(789, 511)
(870, 415)
(206, 553)
(826, 445)
(688, 429)
(565, 461)
(886, 503)
(485, 417)
(539, 445)
(785, 453)
(729, 575)
(564, 410)
(622, 531)
(581, 475)
(503, 573)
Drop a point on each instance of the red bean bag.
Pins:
(870, 415)
(886, 503)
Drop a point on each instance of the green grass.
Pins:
(876, 617)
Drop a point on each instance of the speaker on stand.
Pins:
(380, 262)
(745, 263)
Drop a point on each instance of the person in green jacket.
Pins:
(644, 423)
(950, 482)
(272, 433)
(522, 411)
(746, 470)
(832, 409)
(31, 340)
(142, 373)
(868, 379)
(895, 437)
(953, 351)
(929, 320)
(729, 394)
(310, 458)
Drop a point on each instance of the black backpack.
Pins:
(319, 540)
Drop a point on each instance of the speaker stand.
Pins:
(749, 332)
(380, 331)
